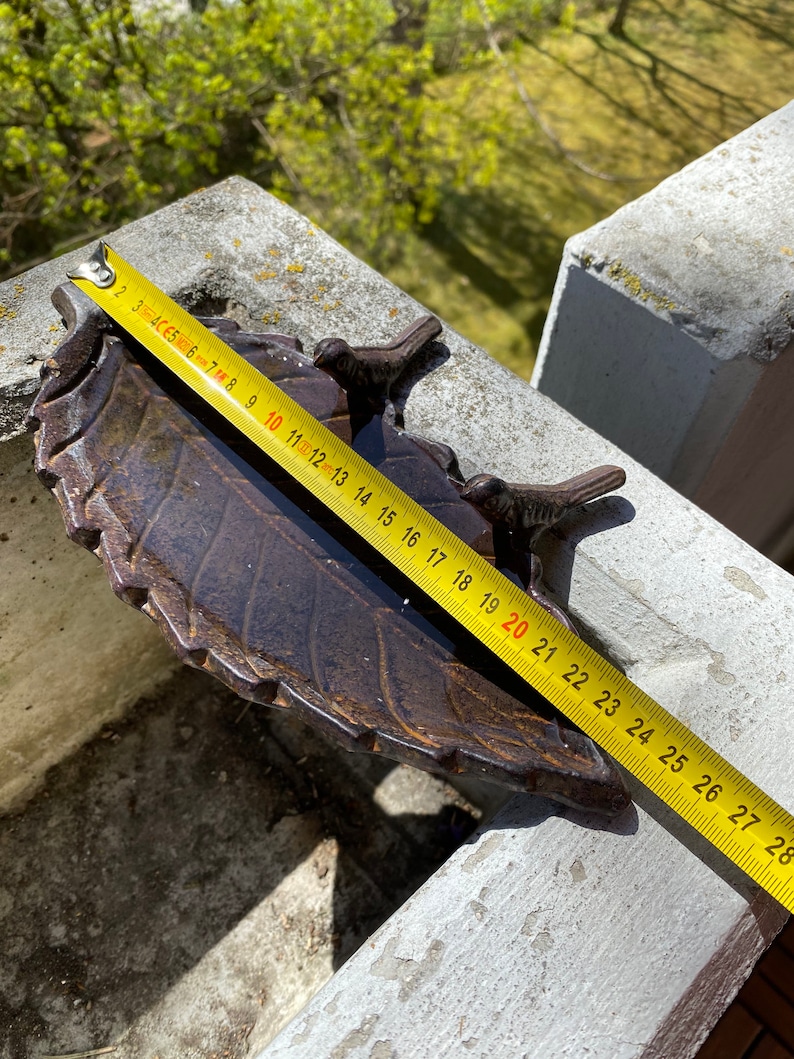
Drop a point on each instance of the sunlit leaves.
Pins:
(105, 115)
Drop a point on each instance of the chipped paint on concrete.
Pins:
(577, 870)
(742, 580)
(382, 1050)
(716, 668)
(479, 910)
(356, 1038)
(530, 920)
(307, 1023)
(543, 941)
(486, 847)
(410, 973)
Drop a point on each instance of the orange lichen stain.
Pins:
(322, 289)
(53, 327)
(6, 313)
(271, 318)
(2, 349)
(315, 297)
(295, 267)
(264, 274)
(274, 253)
(208, 254)
(393, 312)
(237, 242)
(18, 289)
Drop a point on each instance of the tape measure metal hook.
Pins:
(97, 269)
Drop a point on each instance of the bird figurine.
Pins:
(373, 370)
(525, 511)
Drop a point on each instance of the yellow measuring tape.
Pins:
(709, 793)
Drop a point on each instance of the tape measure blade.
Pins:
(638, 732)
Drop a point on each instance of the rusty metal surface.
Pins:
(250, 579)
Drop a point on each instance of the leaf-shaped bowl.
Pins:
(252, 580)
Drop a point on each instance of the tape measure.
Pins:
(701, 786)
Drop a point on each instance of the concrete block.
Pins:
(670, 332)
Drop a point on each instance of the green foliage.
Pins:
(108, 111)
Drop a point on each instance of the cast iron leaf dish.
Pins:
(254, 581)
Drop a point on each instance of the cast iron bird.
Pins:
(525, 511)
(372, 370)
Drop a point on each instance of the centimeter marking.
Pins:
(692, 778)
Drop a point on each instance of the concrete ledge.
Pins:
(670, 332)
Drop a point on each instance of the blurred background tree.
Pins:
(452, 143)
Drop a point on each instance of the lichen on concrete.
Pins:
(619, 273)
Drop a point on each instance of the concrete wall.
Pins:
(71, 656)
(670, 332)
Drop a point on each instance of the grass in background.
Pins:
(688, 75)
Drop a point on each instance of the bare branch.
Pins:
(533, 111)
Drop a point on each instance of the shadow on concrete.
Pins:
(557, 547)
(155, 841)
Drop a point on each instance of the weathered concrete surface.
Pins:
(232, 250)
(670, 332)
(184, 883)
(524, 945)
(71, 657)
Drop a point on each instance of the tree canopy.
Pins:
(110, 109)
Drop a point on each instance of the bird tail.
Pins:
(416, 335)
(587, 486)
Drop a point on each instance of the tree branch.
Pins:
(533, 111)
